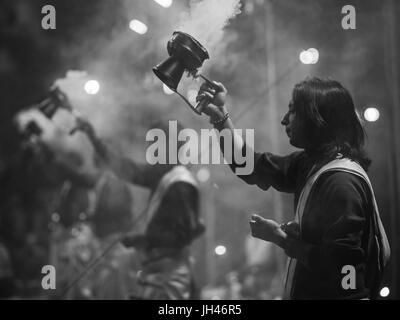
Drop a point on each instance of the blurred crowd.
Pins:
(48, 218)
(49, 215)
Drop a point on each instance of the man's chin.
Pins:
(294, 143)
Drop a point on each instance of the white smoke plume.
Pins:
(118, 58)
(207, 19)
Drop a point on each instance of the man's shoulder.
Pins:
(343, 180)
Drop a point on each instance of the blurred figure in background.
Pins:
(172, 219)
(30, 186)
(172, 222)
(85, 210)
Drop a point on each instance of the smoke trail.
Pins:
(130, 95)
(207, 19)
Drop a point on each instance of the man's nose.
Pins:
(284, 120)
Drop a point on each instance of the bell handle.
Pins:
(201, 104)
(187, 101)
(207, 80)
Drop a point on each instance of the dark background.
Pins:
(92, 35)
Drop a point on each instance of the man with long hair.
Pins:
(162, 235)
(337, 229)
(172, 221)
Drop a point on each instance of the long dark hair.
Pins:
(331, 123)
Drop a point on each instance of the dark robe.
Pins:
(336, 223)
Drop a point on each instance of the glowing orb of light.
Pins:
(309, 56)
(220, 250)
(384, 292)
(138, 26)
(92, 87)
(371, 114)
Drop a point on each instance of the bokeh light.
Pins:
(220, 250)
(384, 292)
(371, 114)
(92, 87)
(138, 26)
(310, 56)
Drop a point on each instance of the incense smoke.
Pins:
(207, 19)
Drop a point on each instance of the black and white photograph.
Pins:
(216, 151)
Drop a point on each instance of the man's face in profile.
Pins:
(294, 127)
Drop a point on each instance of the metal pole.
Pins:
(272, 114)
(391, 55)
